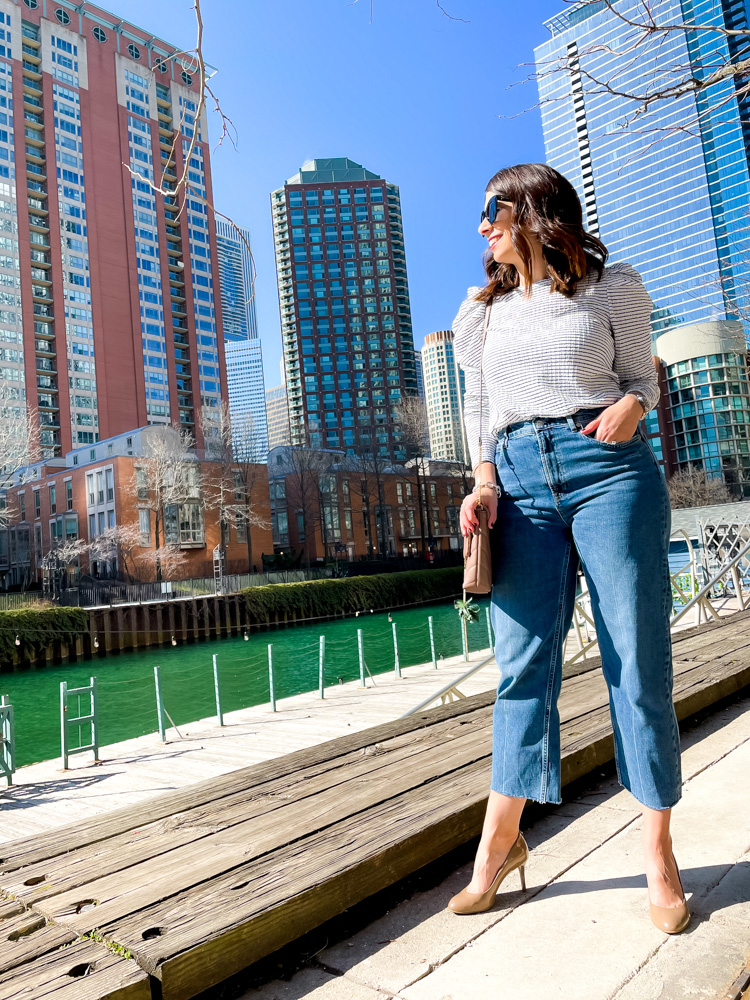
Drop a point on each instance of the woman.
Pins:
(565, 376)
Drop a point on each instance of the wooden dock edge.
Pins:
(241, 946)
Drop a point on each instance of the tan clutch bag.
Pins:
(478, 567)
(478, 562)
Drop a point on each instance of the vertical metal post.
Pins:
(160, 706)
(270, 677)
(94, 719)
(360, 648)
(396, 663)
(217, 692)
(8, 738)
(464, 640)
(738, 588)
(322, 666)
(489, 628)
(63, 726)
(432, 642)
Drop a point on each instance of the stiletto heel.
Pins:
(671, 919)
(478, 902)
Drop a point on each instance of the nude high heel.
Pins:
(478, 902)
(671, 919)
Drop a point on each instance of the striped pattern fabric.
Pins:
(548, 356)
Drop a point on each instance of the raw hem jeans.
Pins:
(565, 497)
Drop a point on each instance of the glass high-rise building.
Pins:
(237, 279)
(345, 314)
(669, 194)
(242, 345)
(444, 392)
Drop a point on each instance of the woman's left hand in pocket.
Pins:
(618, 422)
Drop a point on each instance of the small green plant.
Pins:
(468, 610)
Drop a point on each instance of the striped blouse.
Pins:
(548, 356)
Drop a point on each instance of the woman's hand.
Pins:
(618, 422)
(468, 519)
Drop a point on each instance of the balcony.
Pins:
(45, 347)
(181, 338)
(39, 224)
(174, 249)
(34, 136)
(37, 187)
(46, 382)
(36, 154)
(32, 168)
(45, 311)
(31, 53)
(41, 292)
(34, 119)
(31, 102)
(31, 70)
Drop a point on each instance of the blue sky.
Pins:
(413, 96)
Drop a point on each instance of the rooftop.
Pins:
(574, 14)
(335, 170)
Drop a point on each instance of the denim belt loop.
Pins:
(506, 434)
(572, 424)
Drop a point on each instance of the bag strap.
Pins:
(487, 311)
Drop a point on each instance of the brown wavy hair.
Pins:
(546, 204)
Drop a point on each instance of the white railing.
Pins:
(702, 602)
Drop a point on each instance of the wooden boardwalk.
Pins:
(197, 884)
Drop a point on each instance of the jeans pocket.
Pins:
(613, 445)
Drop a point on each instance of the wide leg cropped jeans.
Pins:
(568, 497)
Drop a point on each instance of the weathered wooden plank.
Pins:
(17, 853)
(157, 839)
(176, 871)
(249, 912)
(27, 936)
(82, 971)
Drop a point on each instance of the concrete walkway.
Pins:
(582, 930)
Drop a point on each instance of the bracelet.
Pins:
(490, 486)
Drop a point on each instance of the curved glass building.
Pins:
(667, 190)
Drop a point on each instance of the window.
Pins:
(133, 50)
(110, 485)
(31, 4)
(242, 531)
(22, 506)
(99, 33)
(37, 510)
(69, 495)
(52, 500)
(161, 66)
(186, 78)
(62, 15)
(144, 526)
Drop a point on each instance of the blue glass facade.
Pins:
(667, 191)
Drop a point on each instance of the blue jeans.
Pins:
(565, 497)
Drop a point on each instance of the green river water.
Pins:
(127, 704)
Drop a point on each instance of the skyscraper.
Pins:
(108, 317)
(443, 396)
(669, 194)
(420, 372)
(242, 345)
(278, 416)
(345, 315)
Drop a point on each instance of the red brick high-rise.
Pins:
(108, 295)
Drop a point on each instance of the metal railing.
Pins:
(702, 602)
(107, 593)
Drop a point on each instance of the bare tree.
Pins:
(304, 467)
(370, 487)
(166, 479)
(416, 435)
(19, 441)
(231, 451)
(691, 487)
(649, 64)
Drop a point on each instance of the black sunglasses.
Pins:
(493, 206)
